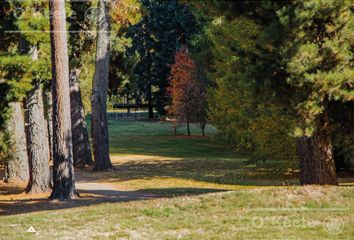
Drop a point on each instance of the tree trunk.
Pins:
(81, 144)
(150, 105)
(37, 141)
(128, 109)
(188, 128)
(203, 130)
(17, 169)
(63, 169)
(99, 125)
(316, 157)
(49, 117)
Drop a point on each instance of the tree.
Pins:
(16, 168)
(155, 39)
(13, 146)
(25, 75)
(287, 64)
(187, 95)
(99, 125)
(63, 169)
(37, 141)
(318, 58)
(36, 128)
(80, 43)
(81, 145)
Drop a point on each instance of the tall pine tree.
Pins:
(319, 60)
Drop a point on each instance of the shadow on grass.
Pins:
(8, 189)
(204, 170)
(13, 207)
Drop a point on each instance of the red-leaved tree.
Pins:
(187, 94)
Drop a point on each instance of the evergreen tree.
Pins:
(247, 76)
(156, 38)
(283, 64)
(26, 68)
(319, 60)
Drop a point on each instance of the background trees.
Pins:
(155, 39)
(188, 98)
(246, 76)
(286, 71)
(269, 75)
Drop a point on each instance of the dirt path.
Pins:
(14, 201)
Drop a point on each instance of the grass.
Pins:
(269, 213)
(149, 157)
(209, 192)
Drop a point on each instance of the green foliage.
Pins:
(5, 153)
(26, 24)
(241, 105)
(121, 78)
(156, 38)
(32, 19)
(277, 66)
(271, 137)
(6, 148)
(20, 71)
(318, 52)
(30, 23)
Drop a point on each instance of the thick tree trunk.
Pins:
(81, 145)
(37, 141)
(49, 117)
(99, 125)
(16, 169)
(63, 169)
(316, 157)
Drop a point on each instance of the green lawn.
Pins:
(150, 157)
(270, 213)
(211, 193)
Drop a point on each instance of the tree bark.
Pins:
(81, 144)
(63, 169)
(37, 141)
(316, 156)
(17, 169)
(49, 117)
(99, 125)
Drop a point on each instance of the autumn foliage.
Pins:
(186, 92)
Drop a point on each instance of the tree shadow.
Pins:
(94, 197)
(8, 189)
(204, 170)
